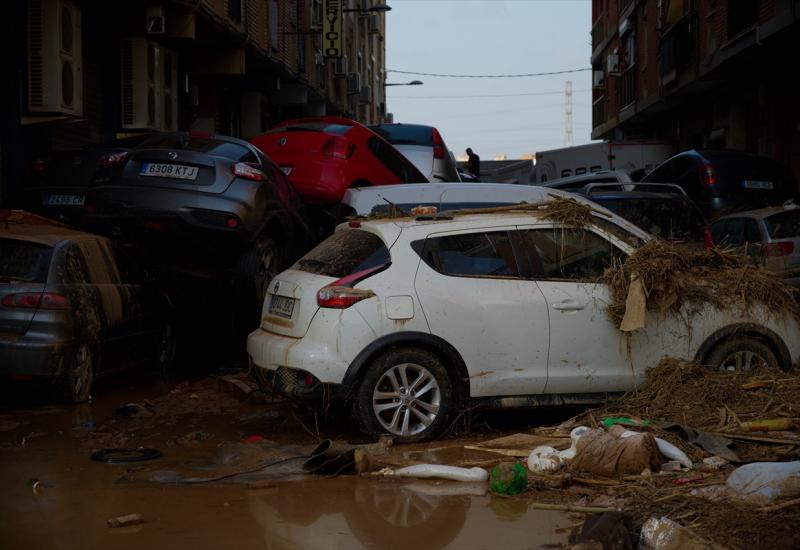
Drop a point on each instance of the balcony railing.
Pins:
(623, 5)
(599, 31)
(676, 50)
(627, 87)
(599, 111)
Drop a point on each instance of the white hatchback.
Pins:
(411, 320)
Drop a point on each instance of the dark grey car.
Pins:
(74, 306)
(212, 204)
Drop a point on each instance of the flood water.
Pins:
(69, 506)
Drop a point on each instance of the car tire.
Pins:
(255, 269)
(388, 400)
(75, 384)
(741, 353)
(166, 350)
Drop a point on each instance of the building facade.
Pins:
(699, 73)
(91, 71)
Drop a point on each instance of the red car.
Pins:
(324, 156)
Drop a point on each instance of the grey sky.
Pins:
(491, 37)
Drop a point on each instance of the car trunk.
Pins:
(23, 271)
(281, 146)
(291, 302)
(199, 171)
(754, 181)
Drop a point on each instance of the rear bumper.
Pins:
(22, 355)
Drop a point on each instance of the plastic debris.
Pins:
(124, 521)
(666, 448)
(665, 534)
(508, 478)
(444, 472)
(629, 421)
(711, 464)
(769, 425)
(762, 482)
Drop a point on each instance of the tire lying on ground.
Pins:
(407, 393)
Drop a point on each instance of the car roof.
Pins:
(326, 119)
(400, 124)
(588, 177)
(759, 213)
(643, 195)
(41, 233)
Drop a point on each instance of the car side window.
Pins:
(485, 254)
(386, 156)
(734, 232)
(559, 254)
(751, 233)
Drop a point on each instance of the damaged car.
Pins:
(74, 306)
(411, 320)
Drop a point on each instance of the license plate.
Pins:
(281, 306)
(163, 170)
(64, 200)
(755, 184)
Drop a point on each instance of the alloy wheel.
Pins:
(744, 360)
(406, 399)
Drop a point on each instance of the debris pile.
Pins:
(673, 276)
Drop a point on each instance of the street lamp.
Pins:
(412, 83)
(375, 9)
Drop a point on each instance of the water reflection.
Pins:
(370, 513)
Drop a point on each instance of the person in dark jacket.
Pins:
(473, 163)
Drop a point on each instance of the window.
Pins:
(394, 161)
(24, 261)
(235, 10)
(751, 232)
(580, 171)
(734, 232)
(572, 255)
(742, 15)
(344, 253)
(785, 225)
(219, 148)
(470, 255)
(566, 173)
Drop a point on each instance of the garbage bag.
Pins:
(670, 451)
(603, 454)
(762, 482)
(665, 534)
(508, 478)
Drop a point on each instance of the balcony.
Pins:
(676, 50)
(598, 32)
(599, 111)
(627, 87)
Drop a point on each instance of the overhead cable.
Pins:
(487, 75)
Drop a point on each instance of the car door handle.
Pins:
(568, 305)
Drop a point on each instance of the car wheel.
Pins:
(75, 385)
(255, 269)
(741, 354)
(406, 393)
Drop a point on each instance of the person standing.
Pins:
(473, 163)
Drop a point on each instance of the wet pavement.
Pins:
(54, 496)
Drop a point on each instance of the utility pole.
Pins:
(568, 113)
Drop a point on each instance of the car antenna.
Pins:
(396, 208)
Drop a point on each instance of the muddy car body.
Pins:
(74, 306)
(413, 319)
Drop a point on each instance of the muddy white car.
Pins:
(411, 320)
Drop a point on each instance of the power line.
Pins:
(480, 95)
(488, 75)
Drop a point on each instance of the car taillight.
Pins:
(248, 171)
(777, 249)
(113, 160)
(708, 176)
(199, 134)
(338, 147)
(38, 166)
(341, 294)
(89, 209)
(708, 239)
(32, 300)
(438, 145)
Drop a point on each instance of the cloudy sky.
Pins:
(494, 116)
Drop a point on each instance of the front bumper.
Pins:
(22, 355)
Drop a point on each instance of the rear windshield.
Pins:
(21, 261)
(667, 219)
(211, 146)
(345, 252)
(405, 135)
(339, 129)
(785, 225)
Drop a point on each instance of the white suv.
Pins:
(411, 320)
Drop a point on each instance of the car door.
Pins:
(474, 297)
(587, 352)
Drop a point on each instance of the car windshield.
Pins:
(785, 225)
(664, 218)
(22, 261)
(326, 127)
(344, 253)
(211, 146)
(402, 134)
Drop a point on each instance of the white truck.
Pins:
(627, 156)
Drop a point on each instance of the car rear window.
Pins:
(395, 162)
(345, 252)
(785, 225)
(405, 135)
(327, 127)
(22, 261)
(211, 146)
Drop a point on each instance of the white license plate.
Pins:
(281, 306)
(64, 200)
(755, 184)
(163, 170)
